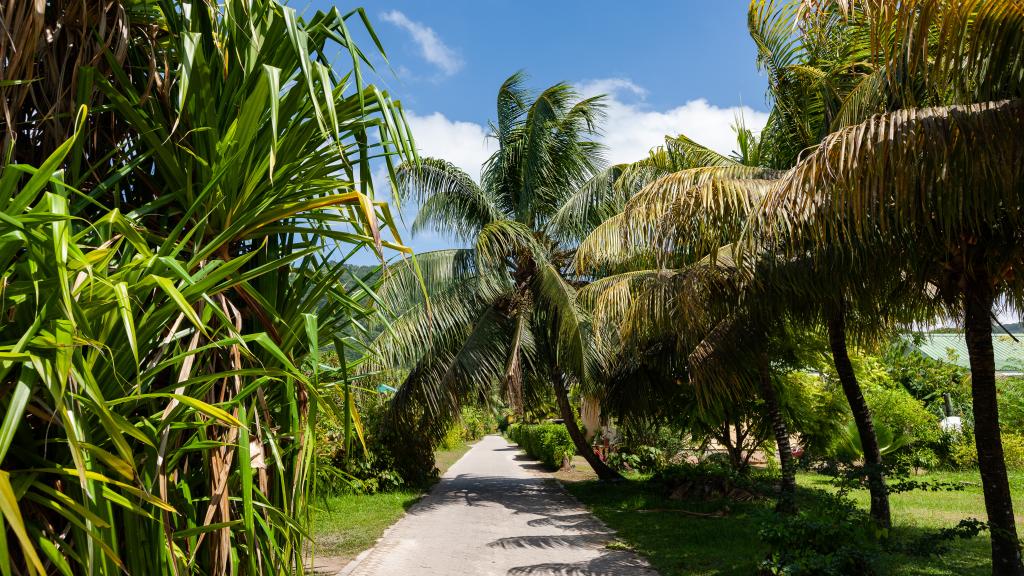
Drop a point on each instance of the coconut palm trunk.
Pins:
(604, 472)
(787, 487)
(862, 417)
(978, 299)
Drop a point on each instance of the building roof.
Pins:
(1009, 355)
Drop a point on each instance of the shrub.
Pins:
(407, 450)
(473, 424)
(1011, 404)
(960, 453)
(711, 479)
(643, 459)
(549, 443)
(817, 411)
(648, 445)
(453, 438)
(927, 379)
(903, 414)
(825, 539)
(1013, 450)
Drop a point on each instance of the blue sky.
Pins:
(669, 67)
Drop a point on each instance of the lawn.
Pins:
(678, 543)
(444, 459)
(345, 525)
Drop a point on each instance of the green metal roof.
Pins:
(1009, 355)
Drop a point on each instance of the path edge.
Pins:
(354, 563)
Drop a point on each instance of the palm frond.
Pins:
(410, 281)
(566, 324)
(436, 323)
(658, 216)
(964, 50)
(721, 364)
(499, 243)
(447, 198)
(940, 172)
(454, 371)
(685, 153)
(598, 199)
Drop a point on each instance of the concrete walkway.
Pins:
(497, 513)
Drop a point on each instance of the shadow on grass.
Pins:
(678, 543)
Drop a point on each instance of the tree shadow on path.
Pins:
(547, 505)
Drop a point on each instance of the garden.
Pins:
(221, 354)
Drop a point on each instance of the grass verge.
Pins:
(677, 542)
(345, 525)
(444, 459)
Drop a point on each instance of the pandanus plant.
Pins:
(165, 302)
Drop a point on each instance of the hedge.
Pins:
(549, 443)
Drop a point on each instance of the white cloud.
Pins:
(629, 132)
(464, 144)
(432, 48)
(611, 86)
(632, 129)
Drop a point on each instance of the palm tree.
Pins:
(690, 301)
(503, 312)
(819, 76)
(950, 152)
(694, 313)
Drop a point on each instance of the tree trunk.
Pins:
(978, 297)
(604, 472)
(787, 487)
(862, 417)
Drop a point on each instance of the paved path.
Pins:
(496, 513)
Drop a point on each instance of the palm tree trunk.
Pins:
(862, 417)
(787, 487)
(978, 298)
(604, 472)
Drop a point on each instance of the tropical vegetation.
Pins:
(179, 197)
(195, 375)
(501, 315)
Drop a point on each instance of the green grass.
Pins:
(344, 526)
(677, 543)
(444, 459)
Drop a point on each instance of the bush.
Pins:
(473, 424)
(826, 539)
(453, 438)
(817, 411)
(960, 453)
(647, 445)
(711, 479)
(643, 459)
(927, 379)
(549, 443)
(1011, 404)
(904, 415)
